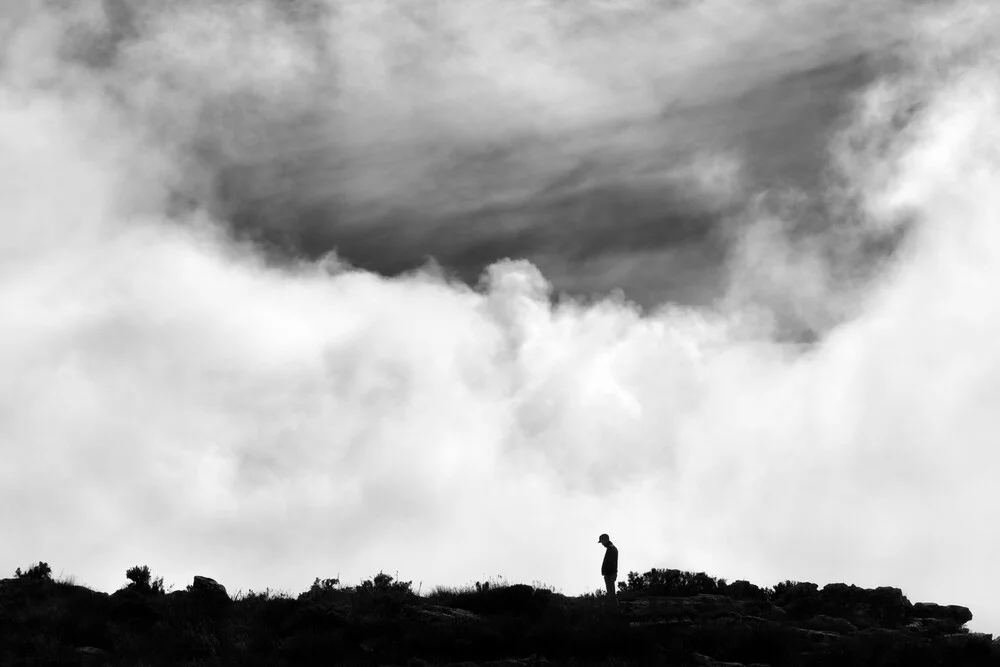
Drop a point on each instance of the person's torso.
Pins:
(610, 564)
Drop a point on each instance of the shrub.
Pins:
(381, 595)
(140, 580)
(789, 590)
(324, 585)
(40, 571)
(671, 583)
(321, 589)
(495, 599)
(744, 590)
(384, 583)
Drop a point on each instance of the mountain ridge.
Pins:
(663, 617)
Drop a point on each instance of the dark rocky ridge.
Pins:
(665, 617)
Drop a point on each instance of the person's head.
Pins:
(604, 539)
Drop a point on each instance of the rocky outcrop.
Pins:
(205, 594)
(924, 610)
(440, 614)
(861, 607)
(796, 625)
(706, 661)
(91, 656)
(134, 608)
(804, 624)
(208, 588)
(203, 597)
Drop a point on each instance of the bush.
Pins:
(671, 583)
(383, 583)
(140, 579)
(40, 572)
(488, 598)
(744, 590)
(789, 590)
(325, 585)
(322, 589)
(382, 595)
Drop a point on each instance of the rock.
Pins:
(800, 600)
(90, 655)
(934, 626)
(797, 591)
(830, 624)
(531, 661)
(969, 639)
(818, 636)
(930, 610)
(706, 661)
(862, 607)
(209, 587)
(203, 596)
(447, 614)
(889, 605)
(130, 606)
(802, 608)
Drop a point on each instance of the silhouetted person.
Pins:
(609, 568)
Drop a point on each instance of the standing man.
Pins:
(609, 568)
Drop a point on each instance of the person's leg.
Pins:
(609, 582)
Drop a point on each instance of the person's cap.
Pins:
(604, 536)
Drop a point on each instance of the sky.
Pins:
(297, 289)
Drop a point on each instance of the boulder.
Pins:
(208, 587)
(817, 636)
(796, 591)
(130, 606)
(969, 639)
(969, 648)
(889, 605)
(934, 626)
(204, 595)
(90, 655)
(708, 661)
(830, 624)
(800, 600)
(532, 660)
(864, 607)
(440, 614)
(930, 610)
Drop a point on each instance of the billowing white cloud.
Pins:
(170, 397)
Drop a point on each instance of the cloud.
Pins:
(390, 132)
(174, 396)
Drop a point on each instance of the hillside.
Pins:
(665, 617)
